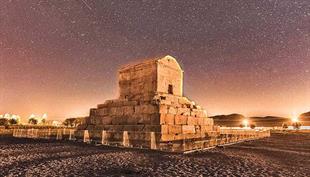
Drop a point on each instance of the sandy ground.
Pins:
(279, 155)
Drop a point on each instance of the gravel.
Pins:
(279, 155)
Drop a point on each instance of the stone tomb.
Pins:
(151, 104)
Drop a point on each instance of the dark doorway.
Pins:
(170, 89)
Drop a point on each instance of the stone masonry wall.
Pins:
(138, 82)
(174, 117)
(151, 100)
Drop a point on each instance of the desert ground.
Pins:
(279, 155)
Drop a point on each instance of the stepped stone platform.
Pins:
(151, 111)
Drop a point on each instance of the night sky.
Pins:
(239, 56)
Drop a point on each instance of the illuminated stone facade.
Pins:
(150, 100)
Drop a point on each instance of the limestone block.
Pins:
(172, 110)
(130, 103)
(163, 109)
(162, 119)
(167, 137)
(115, 111)
(139, 118)
(187, 129)
(107, 120)
(175, 129)
(128, 110)
(181, 110)
(192, 120)
(132, 120)
(118, 102)
(108, 102)
(92, 112)
(102, 111)
(206, 128)
(92, 120)
(119, 120)
(194, 113)
(165, 102)
(164, 129)
(187, 113)
(179, 136)
(99, 106)
(144, 119)
(146, 109)
(167, 119)
(180, 120)
(200, 121)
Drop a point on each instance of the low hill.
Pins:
(235, 120)
(305, 115)
(270, 121)
(231, 120)
(305, 119)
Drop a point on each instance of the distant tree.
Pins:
(4, 122)
(284, 126)
(296, 125)
(43, 121)
(252, 126)
(67, 123)
(33, 121)
(13, 121)
(72, 122)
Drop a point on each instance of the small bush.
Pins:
(33, 121)
(296, 125)
(13, 122)
(252, 126)
(4, 122)
(284, 126)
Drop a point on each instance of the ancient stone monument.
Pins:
(151, 109)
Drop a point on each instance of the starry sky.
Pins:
(239, 56)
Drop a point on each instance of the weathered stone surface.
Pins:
(192, 120)
(174, 129)
(102, 112)
(106, 120)
(128, 110)
(172, 110)
(167, 137)
(146, 109)
(164, 129)
(186, 129)
(180, 120)
(200, 121)
(167, 119)
(151, 100)
(163, 109)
